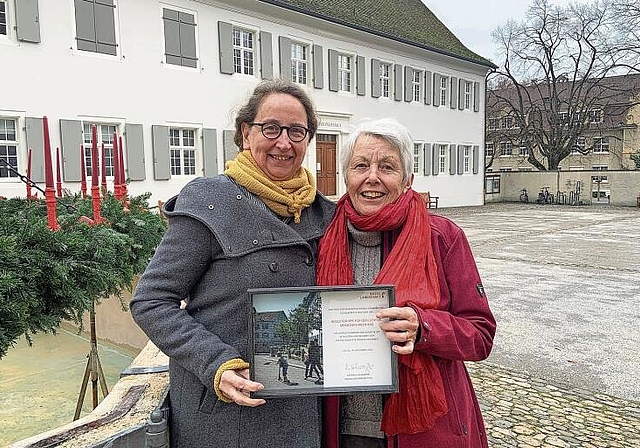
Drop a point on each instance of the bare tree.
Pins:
(561, 77)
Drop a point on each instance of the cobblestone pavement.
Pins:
(564, 285)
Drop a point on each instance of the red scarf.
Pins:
(412, 268)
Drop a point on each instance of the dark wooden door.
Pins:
(326, 163)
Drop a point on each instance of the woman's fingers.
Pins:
(400, 326)
(237, 386)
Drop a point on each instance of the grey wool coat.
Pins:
(220, 243)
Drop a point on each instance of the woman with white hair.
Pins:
(382, 233)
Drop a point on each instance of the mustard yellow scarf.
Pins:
(284, 198)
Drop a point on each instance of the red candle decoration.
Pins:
(59, 176)
(116, 167)
(29, 151)
(83, 165)
(123, 178)
(50, 194)
(103, 168)
(95, 189)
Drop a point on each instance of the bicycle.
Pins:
(544, 197)
(524, 196)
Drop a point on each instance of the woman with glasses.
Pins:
(257, 225)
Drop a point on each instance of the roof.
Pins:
(406, 21)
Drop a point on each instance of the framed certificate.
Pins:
(321, 340)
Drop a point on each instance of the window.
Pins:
(488, 150)
(524, 150)
(415, 85)
(95, 26)
(493, 124)
(299, 54)
(506, 148)
(8, 146)
(578, 148)
(105, 136)
(243, 51)
(385, 71)
(507, 123)
(466, 159)
(3, 20)
(468, 90)
(601, 145)
(563, 118)
(444, 87)
(525, 168)
(492, 184)
(179, 38)
(506, 169)
(182, 146)
(442, 158)
(595, 116)
(417, 157)
(601, 178)
(344, 73)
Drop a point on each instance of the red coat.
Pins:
(461, 329)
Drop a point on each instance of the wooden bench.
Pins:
(432, 201)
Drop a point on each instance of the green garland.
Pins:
(47, 276)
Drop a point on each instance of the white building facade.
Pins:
(168, 76)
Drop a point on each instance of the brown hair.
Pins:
(247, 113)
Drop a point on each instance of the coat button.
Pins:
(210, 207)
(255, 242)
(309, 261)
(238, 197)
(273, 267)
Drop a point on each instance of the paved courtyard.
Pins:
(564, 285)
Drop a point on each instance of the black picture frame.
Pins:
(329, 331)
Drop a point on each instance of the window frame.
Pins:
(443, 157)
(506, 148)
(492, 184)
(603, 147)
(468, 95)
(345, 74)
(581, 142)
(598, 112)
(108, 147)
(116, 28)
(7, 20)
(489, 149)
(298, 63)
(11, 177)
(507, 122)
(466, 159)
(416, 85)
(244, 50)
(197, 45)
(418, 157)
(604, 179)
(385, 90)
(493, 123)
(444, 90)
(182, 149)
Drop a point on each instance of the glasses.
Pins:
(273, 130)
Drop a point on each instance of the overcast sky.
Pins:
(472, 21)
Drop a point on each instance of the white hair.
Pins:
(388, 129)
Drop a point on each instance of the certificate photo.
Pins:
(321, 341)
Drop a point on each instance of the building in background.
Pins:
(169, 76)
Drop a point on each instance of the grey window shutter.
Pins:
(210, 151)
(427, 87)
(230, 148)
(435, 158)
(318, 68)
(266, 55)
(171, 25)
(333, 70)
(105, 27)
(397, 73)
(460, 159)
(427, 159)
(161, 153)
(35, 141)
(188, 40)
(436, 89)
(136, 163)
(85, 25)
(452, 159)
(375, 78)
(461, 93)
(476, 156)
(285, 57)
(454, 93)
(225, 47)
(71, 137)
(361, 86)
(476, 96)
(408, 80)
(27, 21)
